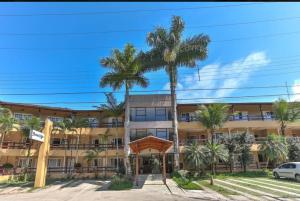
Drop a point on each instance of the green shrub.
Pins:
(7, 166)
(120, 183)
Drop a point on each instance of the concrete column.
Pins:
(42, 163)
(164, 168)
(137, 168)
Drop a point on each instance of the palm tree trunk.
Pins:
(127, 133)
(282, 128)
(77, 146)
(2, 139)
(27, 160)
(174, 119)
(117, 144)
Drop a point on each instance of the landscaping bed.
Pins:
(120, 183)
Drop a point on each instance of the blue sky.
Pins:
(250, 54)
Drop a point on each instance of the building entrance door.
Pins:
(151, 164)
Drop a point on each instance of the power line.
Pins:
(126, 11)
(223, 78)
(105, 47)
(147, 29)
(57, 74)
(140, 91)
(180, 99)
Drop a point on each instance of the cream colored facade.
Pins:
(150, 115)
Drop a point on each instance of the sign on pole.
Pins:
(36, 135)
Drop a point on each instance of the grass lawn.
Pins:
(217, 188)
(186, 184)
(255, 183)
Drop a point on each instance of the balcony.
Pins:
(84, 146)
(236, 118)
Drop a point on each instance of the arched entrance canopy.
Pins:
(150, 142)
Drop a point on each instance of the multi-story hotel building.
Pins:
(149, 115)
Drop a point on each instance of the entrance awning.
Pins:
(150, 142)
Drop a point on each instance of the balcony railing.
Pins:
(85, 146)
(236, 118)
(17, 145)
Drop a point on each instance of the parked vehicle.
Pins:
(288, 170)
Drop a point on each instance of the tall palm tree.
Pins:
(115, 110)
(79, 123)
(170, 51)
(104, 139)
(274, 149)
(30, 124)
(7, 123)
(195, 157)
(212, 117)
(92, 154)
(244, 141)
(285, 112)
(214, 153)
(231, 144)
(62, 128)
(125, 70)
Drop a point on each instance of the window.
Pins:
(241, 115)
(140, 114)
(267, 114)
(185, 117)
(23, 162)
(22, 116)
(56, 141)
(119, 140)
(96, 142)
(140, 133)
(54, 163)
(162, 133)
(151, 131)
(150, 114)
(93, 122)
(97, 162)
(161, 114)
(56, 119)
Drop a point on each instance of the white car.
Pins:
(288, 170)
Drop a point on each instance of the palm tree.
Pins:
(92, 154)
(30, 124)
(285, 112)
(104, 138)
(115, 110)
(7, 123)
(79, 123)
(125, 70)
(230, 142)
(195, 157)
(212, 117)
(214, 153)
(244, 141)
(62, 128)
(170, 51)
(274, 149)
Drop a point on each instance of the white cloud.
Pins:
(212, 76)
(296, 91)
